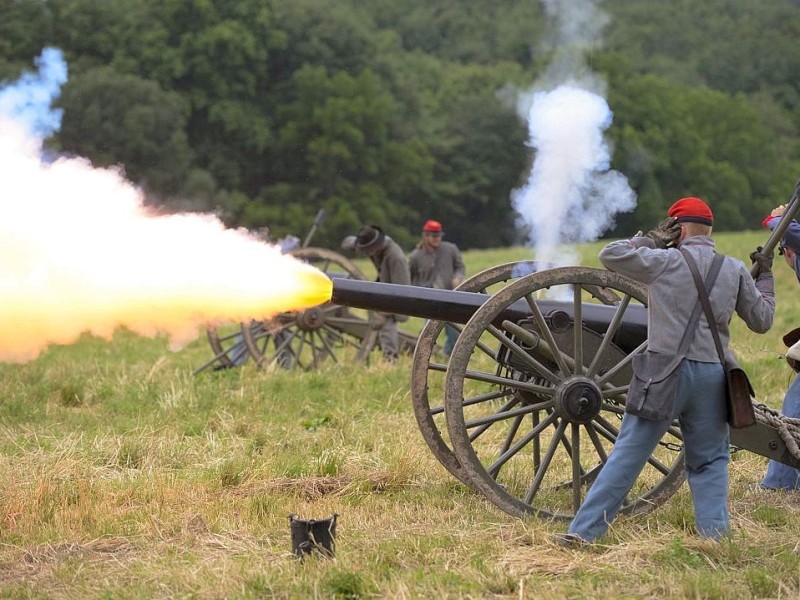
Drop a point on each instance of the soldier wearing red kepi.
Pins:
(437, 264)
(699, 403)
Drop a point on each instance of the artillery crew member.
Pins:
(437, 264)
(392, 266)
(780, 476)
(700, 402)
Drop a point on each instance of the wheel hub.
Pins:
(310, 319)
(578, 399)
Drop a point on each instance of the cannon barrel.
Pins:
(458, 307)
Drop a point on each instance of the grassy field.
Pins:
(122, 475)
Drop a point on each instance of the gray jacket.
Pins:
(392, 266)
(436, 269)
(672, 294)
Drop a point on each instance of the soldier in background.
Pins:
(780, 476)
(392, 266)
(437, 264)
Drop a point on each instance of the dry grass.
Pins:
(122, 476)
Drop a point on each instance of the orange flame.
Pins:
(80, 253)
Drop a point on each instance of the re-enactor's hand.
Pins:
(778, 211)
(666, 233)
(762, 262)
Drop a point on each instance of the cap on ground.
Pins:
(432, 226)
(691, 210)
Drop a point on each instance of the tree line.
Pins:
(395, 111)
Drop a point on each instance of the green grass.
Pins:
(122, 475)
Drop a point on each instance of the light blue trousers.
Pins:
(700, 406)
(779, 475)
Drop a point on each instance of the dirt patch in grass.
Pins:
(36, 563)
(313, 488)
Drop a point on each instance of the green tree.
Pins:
(125, 120)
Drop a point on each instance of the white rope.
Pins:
(787, 427)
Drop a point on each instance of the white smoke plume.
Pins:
(79, 252)
(571, 196)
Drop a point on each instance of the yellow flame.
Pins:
(79, 253)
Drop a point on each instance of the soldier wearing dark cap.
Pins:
(700, 404)
(392, 266)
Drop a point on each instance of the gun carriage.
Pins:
(529, 405)
(300, 339)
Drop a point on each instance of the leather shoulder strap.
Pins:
(703, 290)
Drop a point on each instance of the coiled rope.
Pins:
(787, 427)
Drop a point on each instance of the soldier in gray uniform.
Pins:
(437, 264)
(700, 402)
(392, 266)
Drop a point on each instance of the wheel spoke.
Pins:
(502, 415)
(533, 434)
(520, 353)
(548, 458)
(577, 312)
(477, 399)
(612, 434)
(285, 346)
(537, 443)
(596, 442)
(326, 342)
(299, 351)
(333, 333)
(614, 392)
(621, 364)
(205, 365)
(614, 408)
(230, 336)
(616, 320)
(508, 382)
(577, 470)
(548, 335)
(512, 433)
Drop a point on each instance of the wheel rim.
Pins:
(531, 427)
(428, 372)
(306, 339)
(228, 346)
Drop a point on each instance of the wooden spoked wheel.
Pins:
(306, 339)
(535, 391)
(227, 344)
(430, 365)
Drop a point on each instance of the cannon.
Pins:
(528, 406)
(299, 339)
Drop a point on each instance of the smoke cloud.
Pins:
(570, 196)
(79, 252)
(27, 102)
